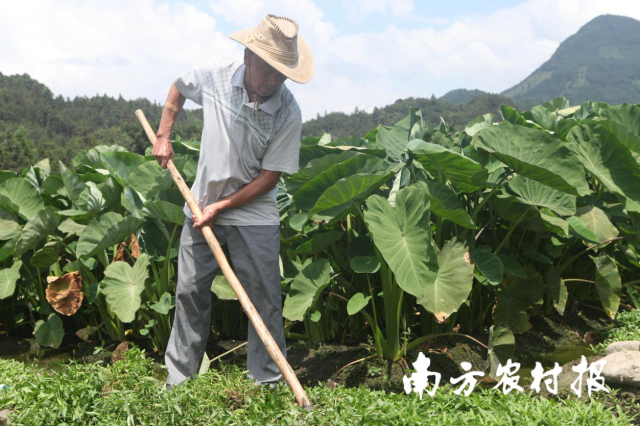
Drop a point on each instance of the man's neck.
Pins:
(251, 93)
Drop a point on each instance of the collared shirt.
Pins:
(236, 145)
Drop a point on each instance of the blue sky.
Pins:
(367, 53)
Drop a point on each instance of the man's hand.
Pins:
(209, 216)
(163, 151)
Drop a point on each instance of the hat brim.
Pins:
(300, 72)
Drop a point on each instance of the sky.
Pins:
(367, 53)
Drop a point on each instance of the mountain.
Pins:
(358, 123)
(35, 125)
(461, 96)
(601, 62)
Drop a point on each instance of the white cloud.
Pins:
(137, 48)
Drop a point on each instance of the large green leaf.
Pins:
(558, 290)
(19, 196)
(72, 183)
(221, 288)
(42, 224)
(452, 285)
(121, 164)
(311, 191)
(166, 211)
(608, 160)
(91, 199)
(306, 288)
(395, 140)
(357, 303)
(608, 283)
(8, 279)
(445, 203)
(515, 296)
(348, 192)
(50, 332)
(318, 242)
(535, 154)
(104, 232)
(489, 264)
(502, 345)
(91, 157)
(122, 286)
(598, 223)
(535, 193)
(9, 227)
(314, 167)
(402, 234)
(149, 179)
(625, 114)
(463, 172)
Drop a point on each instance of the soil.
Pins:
(552, 339)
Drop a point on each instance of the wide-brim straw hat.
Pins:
(277, 42)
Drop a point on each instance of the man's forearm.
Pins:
(174, 98)
(265, 181)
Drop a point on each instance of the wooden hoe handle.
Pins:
(273, 349)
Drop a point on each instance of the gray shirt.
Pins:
(236, 145)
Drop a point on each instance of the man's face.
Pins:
(264, 78)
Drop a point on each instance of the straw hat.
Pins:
(276, 40)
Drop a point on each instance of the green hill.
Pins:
(461, 96)
(339, 124)
(601, 62)
(34, 124)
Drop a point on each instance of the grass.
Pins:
(625, 327)
(129, 392)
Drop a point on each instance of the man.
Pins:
(251, 134)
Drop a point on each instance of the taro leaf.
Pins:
(453, 283)
(625, 136)
(8, 279)
(402, 234)
(489, 264)
(64, 293)
(357, 303)
(535, 154)
(44, 167)
(52, 185)
(557, 290)
(348, 192)
(608, 283)
(7, 249)
(395, 140)
(400, 181)
(221, 287)
(546, 119)
(122, 286)
(511, 115)
(553, 223)
(106, 231)
(70, 227)
(502, 345)
(306, 288)
(44, 257)
(133, 202)
(579, 229)
(514, 297)
(598, 223)
(166, 211)
(479, 123)
(121, 164)
(204, 364)
(41, 225)
(149, 178)
(464, 173)
(311, 191)
(364, 264)
(9, 227)
(625, 114)
(445, 203)
(512, 266)
(111, 191)
(298, 220)
(154, 238)
(318, 242)
(91, 199)
(72, 183)
(511, 209)
(91, 157)
(608, 160)
(21, 197)
(315, 316)
(535, 193)
(165, 304)
(313, 168)
(50, 332)
(533, 254)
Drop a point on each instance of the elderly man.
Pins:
(251, 135)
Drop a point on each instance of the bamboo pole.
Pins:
(273, 349)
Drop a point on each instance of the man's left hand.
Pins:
(209, 215)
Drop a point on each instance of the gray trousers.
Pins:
(253, 252)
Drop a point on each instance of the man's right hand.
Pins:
(163, 151)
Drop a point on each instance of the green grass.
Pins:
(129, 392)
(625, 327)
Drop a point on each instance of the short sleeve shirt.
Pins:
(236, 145)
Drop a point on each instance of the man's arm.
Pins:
(265, 182)
(162, 150)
